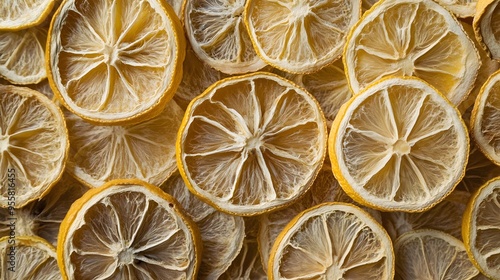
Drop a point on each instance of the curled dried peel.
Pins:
(252, 143)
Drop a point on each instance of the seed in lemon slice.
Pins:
(22, 55)
(332, 241)
(128, 229)
(251, 144)
(144, 150)
(17, 15)
(411, 38)
(485, 118)
(218, 35)
(115, 62)
(431, 254)
(43, 217)
(28, 257)
(486, 25)
(222, 234)
(33, 145)
(300, 36)
(399, 146)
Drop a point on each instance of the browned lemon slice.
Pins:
(251, 144)
(128, 229)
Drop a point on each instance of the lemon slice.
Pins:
(34, 258)
(43, 217)
(218, 35)
(412, 38)
(329, 86)
(445, 216)
(431, 254)
(222, 234)
(197, 77)
(300, 36)
(247, 266)
(33, 145)
(460, 8)
(332, 241)
(128, 229)
(144, 151)
(16, 15)
(251, 144)
(22, 55)
(115, 62)
(399, 145)
(485, 118)
(486, 25)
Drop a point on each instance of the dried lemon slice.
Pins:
(144, 151)
(28, 257)
(486, 25)
(16, 15)
(399, 145)
(332, 241)
(251, 144)
(115, 62)
(431, 254)
(300, 36)
(222, 234)
(33, 145)
(412, 38)
(128, 229)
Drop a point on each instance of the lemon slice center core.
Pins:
(4, 143)
(401, 147)
(126, 256)
(406, 65)
(110, 54)
(300, 9)
(334, 272)
(253, 142)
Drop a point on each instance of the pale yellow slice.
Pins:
(460, 8)
(251, 144)
(21, 14)
(33, 145)
(399, 145)
(222, 234)
(115, 62)
(412, 38)
(485, 118)
(300, 36)
(431, 254)
(33, 258)
(128, 229)
(486, 25)
(43, 217)
(218, 35)
(332, 241)
(144, 151)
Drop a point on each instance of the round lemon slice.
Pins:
(28, 257)
(300, 36)
(486, 25)
(115, 62)
(128, 229)
(17, 15)
(33, 145)
(251, 144)
(432, 254)
(332, 241)
(399, 145)
(144, 150)
(485, 118)
(412, 38)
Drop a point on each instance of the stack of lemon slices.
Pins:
(249, 139)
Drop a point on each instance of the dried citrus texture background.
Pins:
(279, 139)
